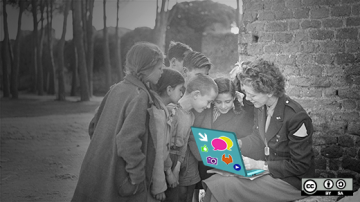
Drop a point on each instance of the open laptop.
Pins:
(220, 150)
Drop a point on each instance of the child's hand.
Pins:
(160, 196)
(171, 179)
(176, 170)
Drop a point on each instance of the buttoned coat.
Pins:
(121, 146)
(291, 157)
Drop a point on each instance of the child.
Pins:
(120, 158)
(167, 90)
(176, 54)
(226, 113)
(194, 63)
(201, 90)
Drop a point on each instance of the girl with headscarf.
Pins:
(119, 161)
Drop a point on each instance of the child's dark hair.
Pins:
(169, 77)
(196, 60)
(177, 50)
(225, 85)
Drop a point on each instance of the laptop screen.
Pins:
(219, 149)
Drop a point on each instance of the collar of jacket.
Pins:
(135, 81)
(277, 117)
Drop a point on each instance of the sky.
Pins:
(132, 14)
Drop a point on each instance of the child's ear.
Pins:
(195, 94)
(185, 70)
(168, 90)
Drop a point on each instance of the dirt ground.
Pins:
(43, 143)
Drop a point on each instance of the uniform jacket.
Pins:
(121, 146)
(291, 157)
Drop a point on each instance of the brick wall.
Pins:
(316, 43)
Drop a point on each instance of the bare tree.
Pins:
(15, 69)
(74, 80)
(61, 90)
(35, 45)
(51, 67)
(161, 22)
(39, 52)
(90, 46)
(106, 52)
(118, 62)
(6, 54)
(78, 40)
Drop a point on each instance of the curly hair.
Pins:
(263, 76)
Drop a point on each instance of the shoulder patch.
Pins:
(301, 132)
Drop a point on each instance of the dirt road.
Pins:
(43, 143)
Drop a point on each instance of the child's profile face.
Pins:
(202, 102)
(224, 102)
(155, 75)
(176, 93)
(177, 65)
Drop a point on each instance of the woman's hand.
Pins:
(160, 196)
(251, 164)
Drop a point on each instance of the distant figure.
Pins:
(176, 54)
(119, 162)
(283, 134)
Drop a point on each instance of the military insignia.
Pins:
(301, 132)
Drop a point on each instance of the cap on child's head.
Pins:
(177, 50)
(169, 77)
(142, 58)
(196, 60)
(202, 83)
